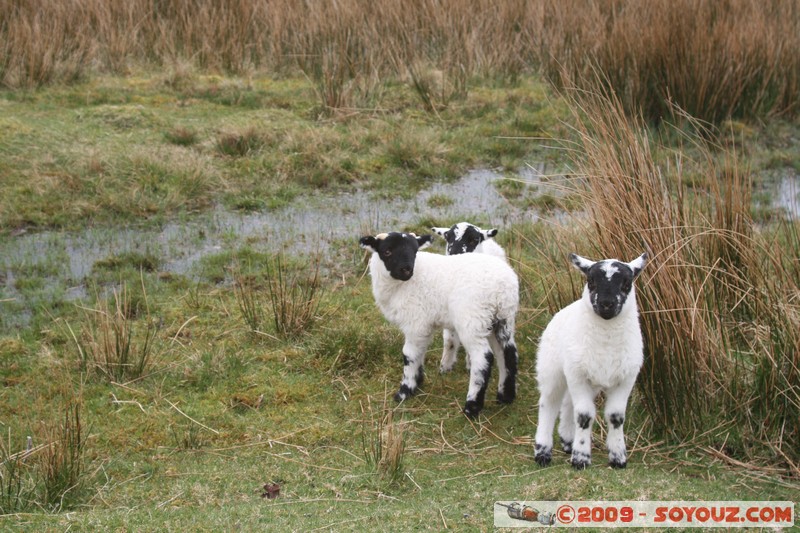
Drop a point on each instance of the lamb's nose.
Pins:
(406, 271)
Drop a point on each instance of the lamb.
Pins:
(593, 344)
(464, 238)
(474, 294)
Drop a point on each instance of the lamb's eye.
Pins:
(626, 286)
(592, 285)
(387, 253)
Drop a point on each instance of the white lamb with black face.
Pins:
(592, 345)
(464, 238)
(475, 295)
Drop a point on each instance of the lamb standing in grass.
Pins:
(593, 344)
(464, 238)
(476, 295)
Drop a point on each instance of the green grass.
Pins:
(114, 150)
(218, 412)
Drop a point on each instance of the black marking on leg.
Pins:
(584, 420)
(542, 455)
(407, 391)
(616, 420)
(617, 461)
(510, 383)
(566, 445)
(473, 407)
(580, 460)
(404, 392)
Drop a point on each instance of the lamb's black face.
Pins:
(397, 251)
(609, 283)
(463, 237)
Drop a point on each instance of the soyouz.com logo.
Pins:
(644, 514)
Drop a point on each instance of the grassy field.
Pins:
(171, 401)
(253, 389)
(143, 148)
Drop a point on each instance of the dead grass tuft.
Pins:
(719, 298)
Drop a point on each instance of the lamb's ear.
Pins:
(637, 265)
(371, 243)
(581, 263)
(489, 233)
(440, 231)
(424, 241)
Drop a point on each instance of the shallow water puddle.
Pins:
(310, 225)
(787, 196)
(60, 261)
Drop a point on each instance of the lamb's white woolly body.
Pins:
(603, 354)
(475, 295)
(592, 345)
(460, 239)
(443, 293)
(490, 247)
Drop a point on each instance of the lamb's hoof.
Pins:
(506, 397)
(618, 462)
(403, 393)
(580, 461)
(542, 455)
(445, 369)
(472, 409)
(566, 445)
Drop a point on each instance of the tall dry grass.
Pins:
(728, 58)
(713, 59)
(49, 471)
(112, 343)
(720, 300)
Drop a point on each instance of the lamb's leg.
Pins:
(481, 357)
(551, 391)
(450, 350)
(413, 359)
(616, 404)
(584, 412)
(566, 424)
(505, 351)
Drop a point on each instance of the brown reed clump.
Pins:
(737, 58)
(713, 59)
(61, 461)
(293, 295)
(384, 445)
(112, 343)
(720, 300)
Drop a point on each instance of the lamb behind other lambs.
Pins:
(593, 344)
(473, 294)
(464, 238)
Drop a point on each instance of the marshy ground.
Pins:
(188, 339)
(154, 310)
